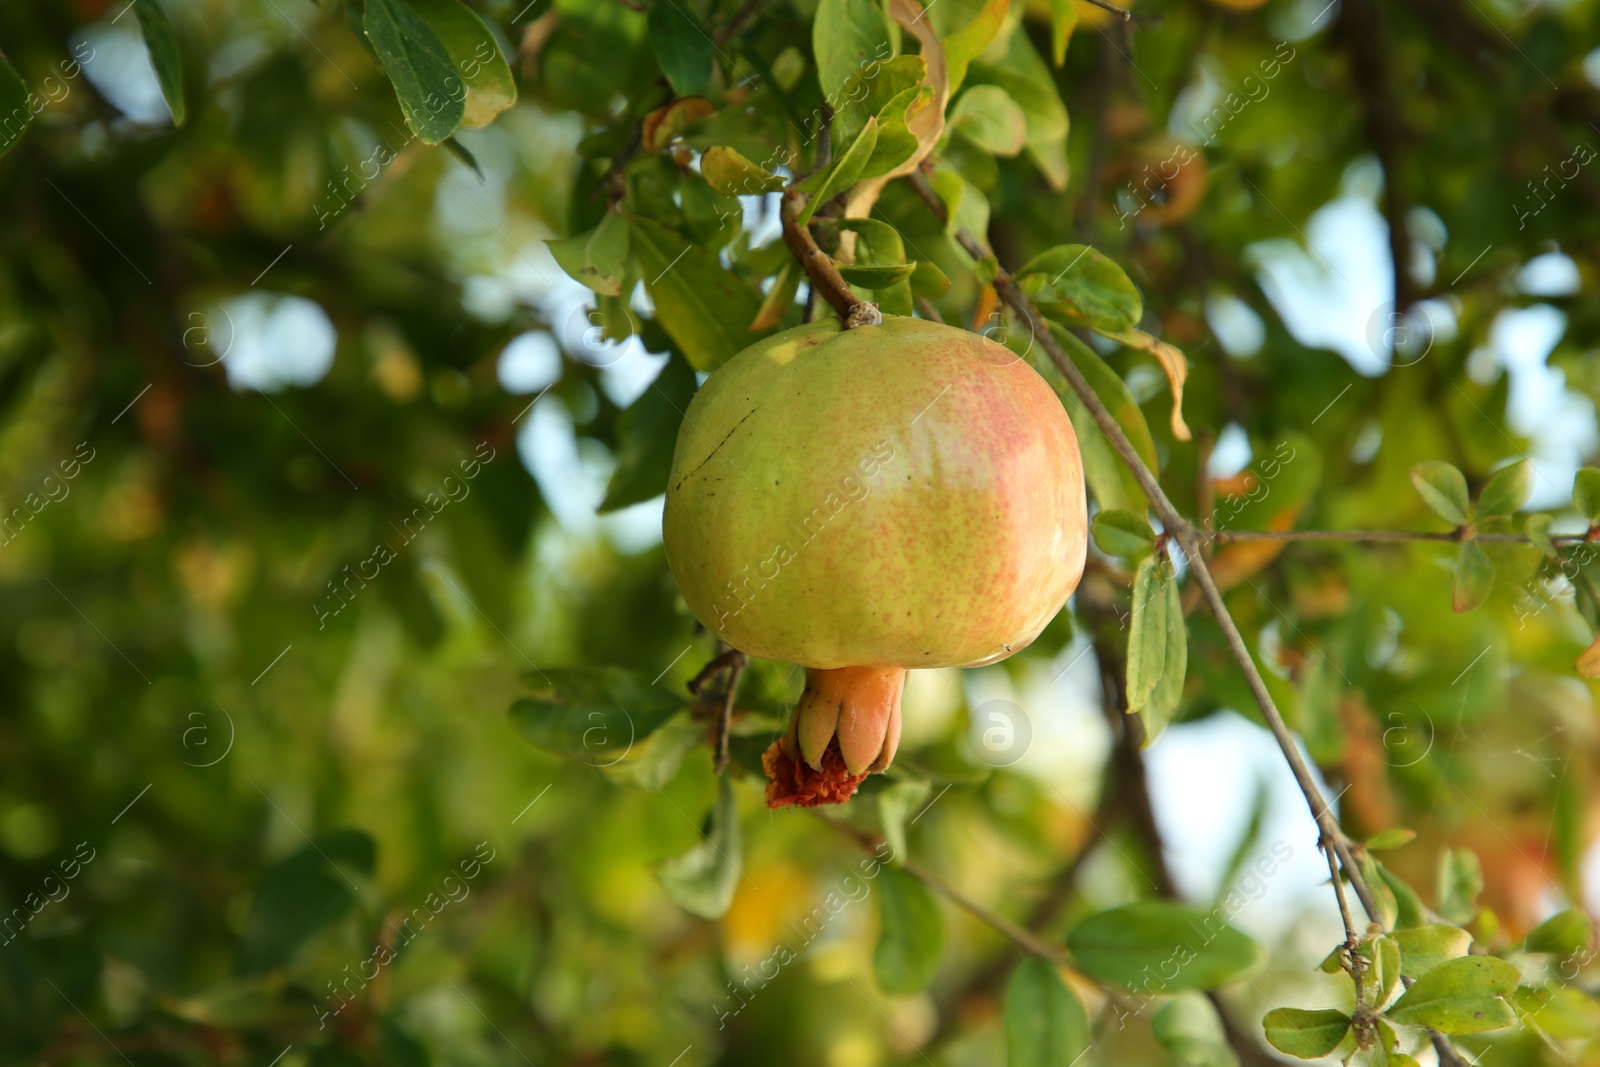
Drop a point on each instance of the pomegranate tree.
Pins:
(866, 501)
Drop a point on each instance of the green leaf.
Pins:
(896, 804)
(1565, 933)
(779, 298)
(1114, 394)
(165, 57)
(1460, 883)
(846, 36)
(730, 174)
(896, 143)
(460, 151)
(1045, 1023)
(1586, 494)
(1443, 489)
(1537, 529)
(1474, 575)
(1063, 20)
(432, 96)
(1409, 909)
(304, 894)
(1078, 285)
(471, 45)
(1109, 478)
(1122, 533)
(1188, 1027)
(683, 48)
(702, 880)
(1383, 969)
(1559, 1011)
(870, 91)
(594, 714)
(876, 276)
(597, 259)
(1394, 837)
(1460, 996)
(1507, 491)
(1164, 698)
(844, 171)
(706, 310)
(1028, 80)
(911, 933)
(990, 119)
(929, 281)
(646, 435)
(1306, 1035)
(1147, 633)
(1422, 948)
(1188, 948)
(964, 45)
(13, 101)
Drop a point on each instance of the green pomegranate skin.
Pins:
(904, 495)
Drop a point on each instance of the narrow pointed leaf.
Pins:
(165, 58)
(1474, 575)
(1147, 633)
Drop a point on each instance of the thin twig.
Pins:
(1025, 939)
(725, 718)
(1375, 536)
(723, 660)
(820, 268)
(1113, 8)
(738, 20)
(1361, 27)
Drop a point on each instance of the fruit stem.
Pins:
(822, 271)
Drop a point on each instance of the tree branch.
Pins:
(820, 268)
(1379, 536)
(1189, 539)
(1362, 29)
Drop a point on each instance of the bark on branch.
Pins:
(822, 271)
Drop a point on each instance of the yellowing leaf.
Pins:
(1173, 362)
(927, 123)
(729, 173)
(665, 123)
(1589, 661)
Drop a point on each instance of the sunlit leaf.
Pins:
(1460, 996)
(1443, 488)
(1307, 1035)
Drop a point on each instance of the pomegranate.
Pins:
(866, 501)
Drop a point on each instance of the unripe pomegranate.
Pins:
(865, 501)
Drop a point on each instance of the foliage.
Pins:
(283, 535)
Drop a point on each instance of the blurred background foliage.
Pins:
(313, 462)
